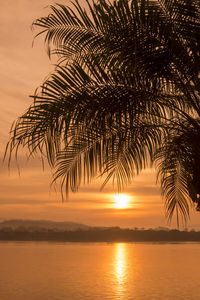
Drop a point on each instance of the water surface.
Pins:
(59, 271)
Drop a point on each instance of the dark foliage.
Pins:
(125, 90)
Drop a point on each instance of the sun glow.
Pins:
(121, 201)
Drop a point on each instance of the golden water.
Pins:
(59, 271)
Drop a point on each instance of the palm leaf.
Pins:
(126, 86)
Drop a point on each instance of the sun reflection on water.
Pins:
(120, 268)
(120, 263)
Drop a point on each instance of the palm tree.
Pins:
(127, 72)
(179, 167)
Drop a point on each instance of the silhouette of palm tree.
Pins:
(127, 74)
(179, 167)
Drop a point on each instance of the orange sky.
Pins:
(23, 68)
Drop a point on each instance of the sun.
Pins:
(121, 201)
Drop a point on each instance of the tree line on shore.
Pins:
(109, 234)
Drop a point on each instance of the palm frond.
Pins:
(126, 86)
(179, 167)
(71, 103)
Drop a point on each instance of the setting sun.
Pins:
(121, 201)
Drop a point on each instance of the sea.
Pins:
(59, 271)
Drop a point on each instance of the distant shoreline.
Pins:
(101, 242)
(106, 235)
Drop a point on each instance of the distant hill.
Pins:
(42, 224)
